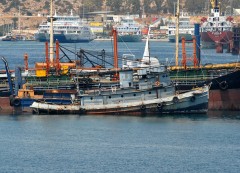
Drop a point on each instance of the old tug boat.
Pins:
(142, 89)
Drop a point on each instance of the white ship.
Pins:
(129, 31)
(66, 29)
(186, 29)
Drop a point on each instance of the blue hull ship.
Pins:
(66, 29)
(63, 38)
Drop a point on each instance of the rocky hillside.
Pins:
(34, 7)
(40, 6)
(148, 7)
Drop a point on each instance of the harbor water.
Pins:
(88, 144)
(14, 52)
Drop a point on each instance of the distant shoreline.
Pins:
(108, 39)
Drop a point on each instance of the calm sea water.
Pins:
(200, 143)
(44, 143)
(164, 51)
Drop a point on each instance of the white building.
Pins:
(236, 12)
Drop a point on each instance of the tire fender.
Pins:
(175, 99)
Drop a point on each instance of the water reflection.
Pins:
(143, 117)
(224, 114)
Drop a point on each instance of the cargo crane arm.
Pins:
(8, 74)
(213, 3)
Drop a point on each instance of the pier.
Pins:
(236, 40)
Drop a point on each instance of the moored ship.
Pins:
(224, 85)
(129, 31)
(153, 92)
(137, 88)
(186, 29)
(224, 93)
(224, 78)
(217, 29)
(66, 29)
(5, 92)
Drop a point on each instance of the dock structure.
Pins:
(219, 48)
(236, 40)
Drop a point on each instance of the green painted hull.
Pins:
(172, 38)
(129, 38)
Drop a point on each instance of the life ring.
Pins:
(114, 89)
(16, 102)
(82, 110)
(175, 99)
(223, 85)
(157, 83)
(160, 105)
(143, 107)
(35, 111)
(81, 92)
(85, 81)
(192, 99)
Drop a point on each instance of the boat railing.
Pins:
(187, 82)
(52, 82)
(192, 79)
(98, 90)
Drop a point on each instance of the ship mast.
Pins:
(19, 24)
(177, 34)
(51, 34)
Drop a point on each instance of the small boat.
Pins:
(66, 29)
(26, 97)
(129, 31)
(8, 37)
